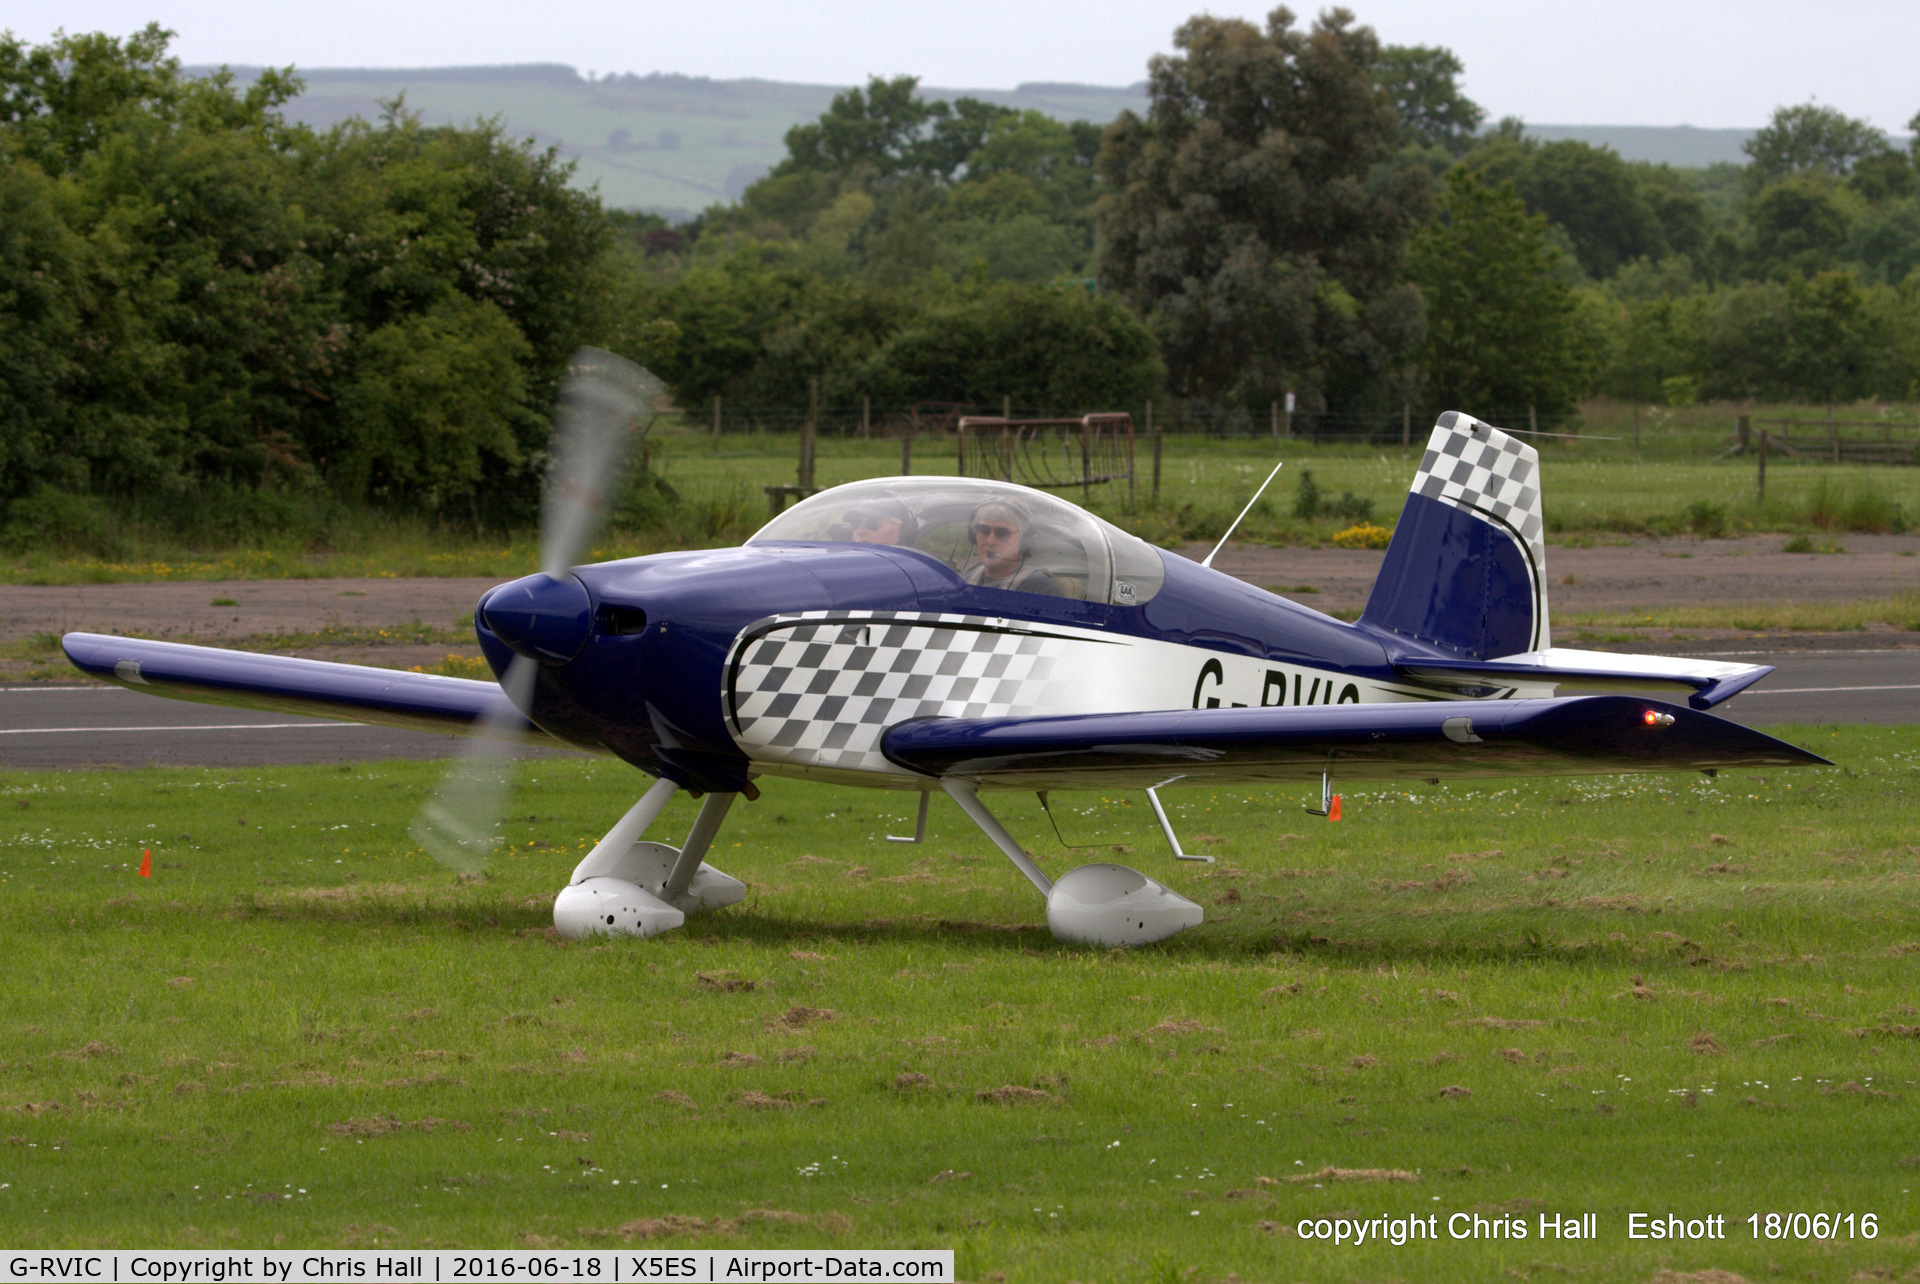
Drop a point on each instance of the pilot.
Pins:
(999, 528)
(884, 519)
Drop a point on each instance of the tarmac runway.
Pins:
(76, 726)
(98, 725)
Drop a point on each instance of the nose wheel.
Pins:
(630, 887)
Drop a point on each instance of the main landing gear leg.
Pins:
(639, 888)
(1094, 904)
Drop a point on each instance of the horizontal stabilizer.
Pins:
(1706, 682)
(1451, 738)
(315, 688)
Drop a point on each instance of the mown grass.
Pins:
(1900, 611)
(1612, 994)
(1594, 489)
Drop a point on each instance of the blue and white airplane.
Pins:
(962, 635)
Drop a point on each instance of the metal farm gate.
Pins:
(1052, 454)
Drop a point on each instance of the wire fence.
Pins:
(1877, 434)
(924, 420)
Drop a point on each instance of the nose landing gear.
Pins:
(634, 888)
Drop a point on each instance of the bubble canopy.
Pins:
(994, 534)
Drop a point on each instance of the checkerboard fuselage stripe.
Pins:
(1477, 468)
(823, 690)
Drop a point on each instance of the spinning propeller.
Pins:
(605, 402)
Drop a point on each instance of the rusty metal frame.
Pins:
(1050, 454)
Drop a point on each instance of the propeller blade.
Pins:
(601, 403)
(459, 825)
(605, 402)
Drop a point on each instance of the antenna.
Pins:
(1208, 560)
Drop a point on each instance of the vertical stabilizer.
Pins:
(1466, 571)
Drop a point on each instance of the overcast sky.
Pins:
(1713, 63)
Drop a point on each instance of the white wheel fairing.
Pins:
(1112, 905)
(609, 907)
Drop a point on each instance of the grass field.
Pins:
(1609, 995)
(1594, 489)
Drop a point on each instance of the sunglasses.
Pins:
(982, 530)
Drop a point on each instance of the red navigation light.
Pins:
(1654, 718)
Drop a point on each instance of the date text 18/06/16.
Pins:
(1763, 1226)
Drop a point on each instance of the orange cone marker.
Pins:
(146, 862)
(1333, 811)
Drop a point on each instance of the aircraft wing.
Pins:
(1452, 738)
(314, 688)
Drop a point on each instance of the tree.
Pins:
(889, 129)
(959, 130)
(42, 279)
(1243, 219)
(1681, 212)
(1797, 225)
(197, 296)
(1591, 193)
(1658, 339)
(1886, 239)
(1812, 338)
(1883, 177)
(888, 188)
(1021, 212)
(1057, 348)
(432, 406)
(59, 102)
(875, 127)
(1810, 139)
(1421, 79)
(1502, 331)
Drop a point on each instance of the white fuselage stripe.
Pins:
(818, 690)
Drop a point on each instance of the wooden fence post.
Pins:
(1276, 421)
(1833, 434)
(1153, 435)
(807, 432)
(1742, 433)
(1762, 485)
(866, 417)
(1130, 459)
(906, 445)
(1086, 464)
(1533, 420)
(1406, 425)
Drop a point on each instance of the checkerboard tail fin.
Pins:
(1466, 571)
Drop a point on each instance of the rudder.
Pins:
(1466, 570)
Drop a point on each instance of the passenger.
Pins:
(883, 519)
(999, 529)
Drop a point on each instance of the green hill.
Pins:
(673, 144)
